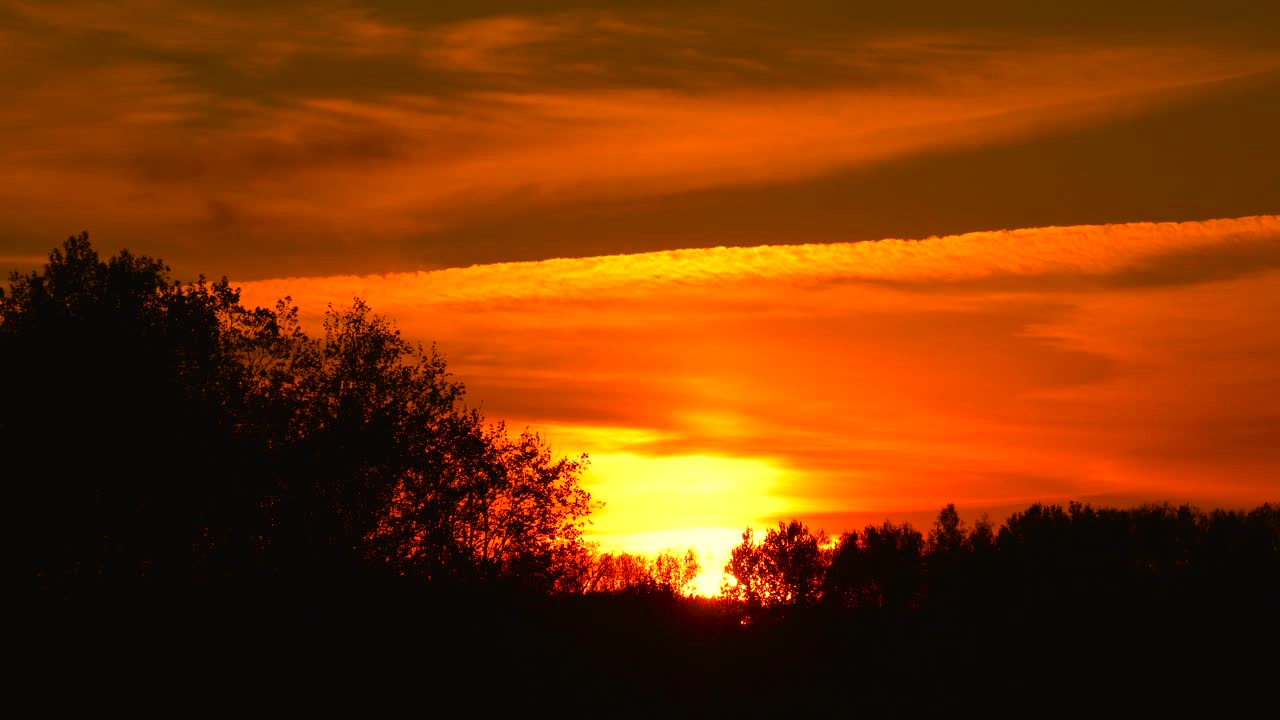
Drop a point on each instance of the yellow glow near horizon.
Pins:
(701, 502)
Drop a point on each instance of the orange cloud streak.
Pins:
(1086, 251)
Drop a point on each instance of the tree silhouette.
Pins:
(184, 438)
(793, 563)
(117, 390)
(666, 573)
(382, 463)
(948, 555)
(749, 590)
(355, 412)
(879, 568)
(784, 571)
(483, 505)
(947, 537)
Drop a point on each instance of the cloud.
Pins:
(490, 45)
(272, 137)
(1090, 253)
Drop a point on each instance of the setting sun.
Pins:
(689, 501)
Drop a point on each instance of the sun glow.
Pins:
(701, 502)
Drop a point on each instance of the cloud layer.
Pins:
(314, 136)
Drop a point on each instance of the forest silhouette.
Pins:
(188, 471)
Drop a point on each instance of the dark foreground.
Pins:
(484, 654)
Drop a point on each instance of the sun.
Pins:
(703, 502)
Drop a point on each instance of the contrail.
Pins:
(1081, 250)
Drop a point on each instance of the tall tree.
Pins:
(749, 590)
(176, 436)
(120, 403)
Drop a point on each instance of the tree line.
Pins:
(1080, 556)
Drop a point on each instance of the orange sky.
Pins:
(846, 383)
(634, 225)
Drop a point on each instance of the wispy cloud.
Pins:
(488, 45)
(302, 134)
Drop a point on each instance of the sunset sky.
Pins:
(840, 261)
